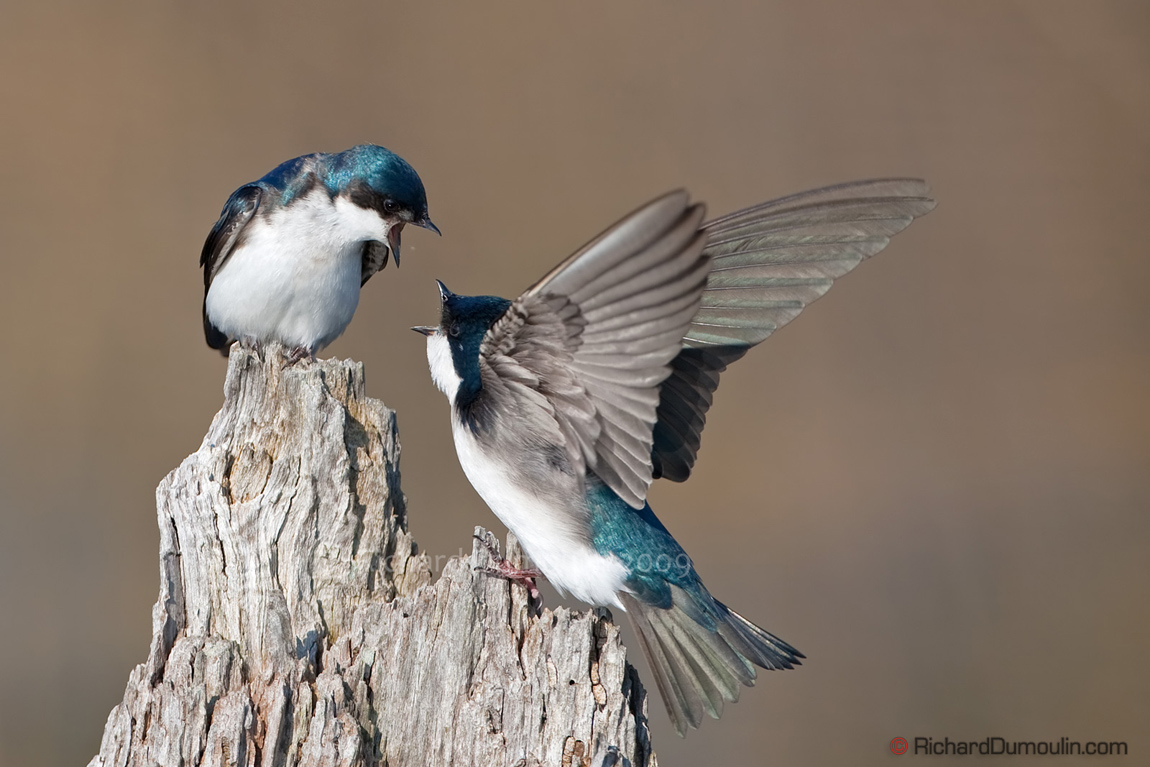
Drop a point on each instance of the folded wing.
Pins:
(222, 240)
(237, 212)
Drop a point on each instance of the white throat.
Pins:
(441, 365)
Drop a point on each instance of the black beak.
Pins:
(426, 330)
(444, 293)
(425, 223)
(393, 241)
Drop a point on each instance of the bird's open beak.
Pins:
(426, 330)
(397, 228)
(393, 240)
(425, 223)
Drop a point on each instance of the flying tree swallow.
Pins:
(567, 402)
(291, 251)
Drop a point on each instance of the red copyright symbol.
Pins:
(898, 746)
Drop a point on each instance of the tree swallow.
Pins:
(567, 402)
(288, 256)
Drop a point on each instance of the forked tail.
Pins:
(700, 656)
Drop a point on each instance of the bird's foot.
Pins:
(250, 344)
(504, 569)
(525, 578)
(298, 354)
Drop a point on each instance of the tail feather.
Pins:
(761, 647)
(692, 663)
(698, 667)
(681, 700)
(715, 663)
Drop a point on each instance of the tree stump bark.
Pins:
(298, 625)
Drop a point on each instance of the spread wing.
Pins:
(586, 348)
(237, 212)
(768, 263)
(375, 255)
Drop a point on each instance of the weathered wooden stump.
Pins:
(298, 625)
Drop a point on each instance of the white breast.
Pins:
(548, 535)
(296, 277)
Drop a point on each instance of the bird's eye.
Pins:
(453, 331)
(390, 206)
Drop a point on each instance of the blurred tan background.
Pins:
(935, 482)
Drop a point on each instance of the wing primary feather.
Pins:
(769, 262)
(881, 187)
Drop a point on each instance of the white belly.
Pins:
(295, 280)
(549, 536)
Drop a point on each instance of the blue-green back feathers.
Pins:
(637, 537)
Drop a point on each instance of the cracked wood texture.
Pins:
(297, 624)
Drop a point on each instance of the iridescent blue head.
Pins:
(453, 346)
(378, 179)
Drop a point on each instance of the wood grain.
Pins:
(297, 624)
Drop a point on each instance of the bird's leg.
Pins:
(504, 569)
(251, 344)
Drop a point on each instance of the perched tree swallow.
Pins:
(568, 401)
(288, 256)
